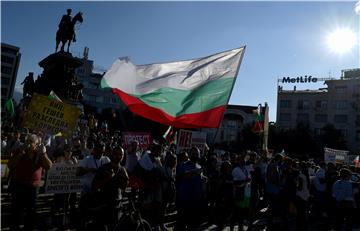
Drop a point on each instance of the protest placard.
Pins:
(51, 116)
(62, 178)
(4, 169)
(188, 139)
(144, 139)
(335, 156)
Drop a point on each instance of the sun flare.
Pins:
(341, 40)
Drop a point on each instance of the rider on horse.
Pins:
(65, 22)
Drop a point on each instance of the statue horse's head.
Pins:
(78, 17)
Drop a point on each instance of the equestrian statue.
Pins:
(66, 31)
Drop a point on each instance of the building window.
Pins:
(357, 135)
(4, 91)
(5, 81)
(80, 71)
(7, 59)
(233, 134)
(317, 131)
(340, 89)
(285, 103)
(8, 50)
(343, 132)
(303, 117)
(231, 124)
(340, 119)
(321, 118)
(341, 104)
(285, 117)
(99, 99)
(107, 100)
(321, 104)
(114, 100)
(303, 104)
(93, 98)
(6, 70)
(357, 121)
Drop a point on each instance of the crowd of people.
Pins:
(202, 186)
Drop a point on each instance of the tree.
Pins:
(332, 138)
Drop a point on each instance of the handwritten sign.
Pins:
(62, 179)
(144, 139)
(51, 116)
(188, 139)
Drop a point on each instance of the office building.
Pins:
(337, 104)
(10, 59)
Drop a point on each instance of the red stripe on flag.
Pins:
(209, 119)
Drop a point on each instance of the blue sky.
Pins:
(281, 38)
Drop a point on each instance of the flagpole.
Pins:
(232, 87)
(266, 127)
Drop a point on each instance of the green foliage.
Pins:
(301, 142)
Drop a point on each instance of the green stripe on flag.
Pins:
(176, 102)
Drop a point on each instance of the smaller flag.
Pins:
(259, 121)
(170, 135)
(53, 96)
(9, 106)
(357, 162)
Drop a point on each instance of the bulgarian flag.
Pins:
(357, 162)
(259, 121)
(183, 94)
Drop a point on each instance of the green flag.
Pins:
(53, 96)
(9, 106)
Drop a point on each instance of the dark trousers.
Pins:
(189, 215)
(344, 216)
(301, 214)
(23, 203)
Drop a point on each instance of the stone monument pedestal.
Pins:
(58, 76)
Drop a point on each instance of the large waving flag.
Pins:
(183, 94)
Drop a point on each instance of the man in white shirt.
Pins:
(87, 169)
(90, 164)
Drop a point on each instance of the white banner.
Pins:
(62, 178)
(335, 156)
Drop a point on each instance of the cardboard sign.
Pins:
(51, 116)
(188, 139)
(62, 178)
(4, 169)
(144, 139)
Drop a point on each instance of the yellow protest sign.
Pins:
(51, 116)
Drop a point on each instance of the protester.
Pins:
(342, 191)
(26, 168)
(242, 190)
(273, 187)
(319, 191)
(302, 197)
(225, 195)
(189, 191)
(64, 202)
(150, 172)
(87, 169)
(110, 181)
(132, 157)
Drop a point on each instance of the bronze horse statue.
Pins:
(67, 33)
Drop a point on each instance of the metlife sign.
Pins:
(300, 79)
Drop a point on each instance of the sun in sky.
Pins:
(341, 40)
